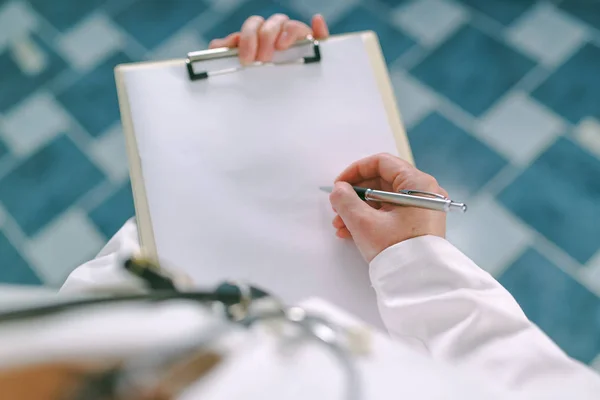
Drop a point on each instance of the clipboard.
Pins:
(204, 66)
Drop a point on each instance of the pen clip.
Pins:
(421, 193)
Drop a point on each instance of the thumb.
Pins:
(353, 211)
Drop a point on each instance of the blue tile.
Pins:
(3, 150)
(572, 91)
(453, 156)
(559, 195)
(63, 14)
(234, 21)
(92, 100)
(47, 183)
(559, 305)
(153, 21)
(394, 3)
(15, 270)
(16, 85)
(393, 42)
(588, 11)
(504, 11)
(114, 211)
(472, 69)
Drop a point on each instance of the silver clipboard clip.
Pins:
(225, 52)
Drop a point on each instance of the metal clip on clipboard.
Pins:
(223, 52)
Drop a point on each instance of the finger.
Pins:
(230, 41)
(215, 43)
(354, 212)
(343, 233)
(443, 192)
(338, 223)
(319, 27)
(385, 166)
(375, 183)
(249, 39)
(292, 31)
(268, 34)
(415, 180)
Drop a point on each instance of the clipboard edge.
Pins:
(140, 200)
(386, 90)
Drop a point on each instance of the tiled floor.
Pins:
(500, 99)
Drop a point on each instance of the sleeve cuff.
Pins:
(426, 261)
(409, 251)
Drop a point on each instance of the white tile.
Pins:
(547, 34)
(430, 21)
(519, 127)
(489, 235)
(90, 42)
(110, 154)
(28, 55)
(587, 134)
(68, 241)
(16, 21)
(33, 123)
(179, 45)
(332, 10)
(590, 273)
(415, 101)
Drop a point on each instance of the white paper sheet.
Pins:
(232, 167)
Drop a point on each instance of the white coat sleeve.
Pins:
(430, 293)
(105, 273)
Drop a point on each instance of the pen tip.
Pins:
(327, 189)
(454, 206)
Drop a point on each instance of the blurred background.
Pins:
(500, 98)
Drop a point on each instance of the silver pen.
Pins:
(408, 198)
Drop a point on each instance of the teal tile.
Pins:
(47, 183)
(572, 91)
(64, 14)
(453, 156)
(3, 150)
(92, 100)
(585, 10)
(559, 196)
(13, 268)
(152, 21)
(395, 3)
(503, 11)
(473, 69)
(114, 211)
(16, 84)
(563, 308)
(393, 42)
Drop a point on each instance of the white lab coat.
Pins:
(433, 299)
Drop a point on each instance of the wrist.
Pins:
(406, 250)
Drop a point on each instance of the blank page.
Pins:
(232, 166)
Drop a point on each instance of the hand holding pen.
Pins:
(375, 226)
